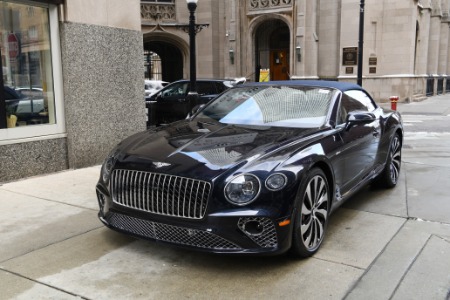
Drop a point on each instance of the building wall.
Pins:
(32, 158)
(103, 88)
(101, 52)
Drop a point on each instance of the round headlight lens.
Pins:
(109, 164)
(276, 182)
(242, 189)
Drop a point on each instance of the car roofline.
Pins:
(342, 86)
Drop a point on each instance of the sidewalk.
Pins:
(382, 244)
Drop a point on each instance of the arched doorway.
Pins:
(272, 44)
(167, 56)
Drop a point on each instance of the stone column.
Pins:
(329, 35)
(443, 47)
(433, 41)
(423, 42)
(311, 39)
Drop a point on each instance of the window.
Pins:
(153, 66)
(30, 72)
(220, 87)
(205, 88)
(176, 90)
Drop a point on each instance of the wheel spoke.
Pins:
(318, 232)
(322, 213)
(307, 230)
(308, 202)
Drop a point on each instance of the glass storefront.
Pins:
(26, 66)
(31, 97)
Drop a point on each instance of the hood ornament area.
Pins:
(160, 164)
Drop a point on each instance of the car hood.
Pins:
(197, 150)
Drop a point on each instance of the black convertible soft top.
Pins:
(342, 86)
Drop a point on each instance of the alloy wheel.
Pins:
(395, 159)
(314, 212)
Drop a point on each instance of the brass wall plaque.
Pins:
(348, 70)
(373, 61)
(350, 56)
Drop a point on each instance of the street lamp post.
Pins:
(361, 42)
(193, 95)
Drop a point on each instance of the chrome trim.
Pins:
(160, 194)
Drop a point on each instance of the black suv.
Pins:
(171, 103)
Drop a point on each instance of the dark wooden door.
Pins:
(279, 65)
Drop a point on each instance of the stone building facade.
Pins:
(83, 59)
(87, 61)
(405, 49)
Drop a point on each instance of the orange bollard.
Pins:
(394, 100)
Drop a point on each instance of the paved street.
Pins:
(382, 244)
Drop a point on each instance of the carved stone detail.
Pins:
(262, 4)
(158, 12)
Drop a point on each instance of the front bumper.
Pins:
(238, 232)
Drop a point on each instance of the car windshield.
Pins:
(279, 106)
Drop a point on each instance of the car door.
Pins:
(360, 140)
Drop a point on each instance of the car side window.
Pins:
(354, 100)
(175, 90)
(205, 88)
(220, 87)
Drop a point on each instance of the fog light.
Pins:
(253, 227)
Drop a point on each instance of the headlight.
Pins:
(109, 164)
(242, 189)
(276, 182)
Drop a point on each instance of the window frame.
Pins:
(44, 131)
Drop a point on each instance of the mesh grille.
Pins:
(170, 233)
(267, 238)
(160, 194)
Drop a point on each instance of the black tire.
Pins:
(311, 214)
(391, 172)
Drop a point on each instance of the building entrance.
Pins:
(272, 46)
(166, 61)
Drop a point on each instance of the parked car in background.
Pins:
(26, 104)
(171, 103)
(153, 86)
(257, 170)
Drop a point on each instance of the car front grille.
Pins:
(160, 194)
(170, 233)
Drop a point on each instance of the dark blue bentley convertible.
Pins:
(257, 170)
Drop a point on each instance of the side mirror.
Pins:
(359, 117)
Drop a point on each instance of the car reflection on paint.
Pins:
(258, 170)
